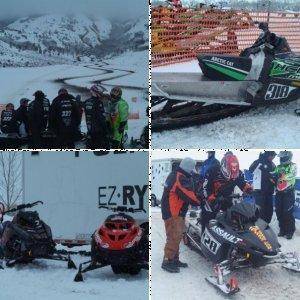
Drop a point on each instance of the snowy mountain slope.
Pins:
(138, 31)
(268, 283)
(56, 32)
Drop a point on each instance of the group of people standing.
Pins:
(211, 186)
(106, 118)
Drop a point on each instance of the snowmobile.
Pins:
(237, 238)
(27, 238)
(267, 73)
(119, 242)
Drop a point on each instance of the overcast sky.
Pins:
(108, 8)
(245, 157)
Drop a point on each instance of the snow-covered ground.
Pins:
(16, 83)
(270, 282)
(275, 126)
(50, 280)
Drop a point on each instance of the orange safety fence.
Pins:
(178, 35)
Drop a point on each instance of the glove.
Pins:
(248, 189)
(212, 198)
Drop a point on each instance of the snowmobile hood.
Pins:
(286, 67)
(260, 240)
(118, 232)
(223, 67)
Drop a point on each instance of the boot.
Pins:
(180, 264)
(281, 233)
(170, 266)
(289, 236)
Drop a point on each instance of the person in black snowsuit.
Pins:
(38, 116)
(22, 114)
(219, 184)
(65, 119)
(9, 120)
(96, 122)
(263, 183)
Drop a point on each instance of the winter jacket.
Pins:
(64, 114)
(209, 165)
(9, 122)
(119, 119)
(262, 177)
(178, 194)
(216, 185)
(38, 114)
(285, 176)
(22, 115)
(95, 116)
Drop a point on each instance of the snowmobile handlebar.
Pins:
(22, 206)
(123, 209)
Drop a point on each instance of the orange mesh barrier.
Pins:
(180, 34)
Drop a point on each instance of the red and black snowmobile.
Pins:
(120, 243)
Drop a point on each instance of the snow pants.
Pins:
(284, 204)
(174, 227)
(265, 202)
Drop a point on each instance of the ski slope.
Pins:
(276, 126)
(50, 280)
(268, 283)
(19, 82)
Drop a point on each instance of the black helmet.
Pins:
(39, 94)
(116, 93)
(285, 157)
(267, 154)
(24, 100)
(63, 91)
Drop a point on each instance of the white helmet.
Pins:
(188, 165)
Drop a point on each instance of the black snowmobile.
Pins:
(267, 73)
(120, 243)
(12, 141)
(236, 239)
(27, 238)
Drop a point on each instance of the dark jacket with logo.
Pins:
(265, 167)
(38, 114)
(178, 194)
(64, 114)
(9, 122)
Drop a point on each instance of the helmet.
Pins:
(39, 94)
(118, 232)
(63, 91)
(211, 153)
(285, 157)
(230, 167)
(270, 153)
(95, 91)
(188, 165)
(24, 100)
(116, 93)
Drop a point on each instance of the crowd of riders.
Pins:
(106, 119)
(211, 186)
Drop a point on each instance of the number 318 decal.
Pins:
(278, 91)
